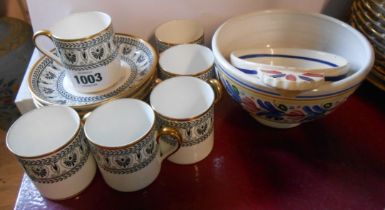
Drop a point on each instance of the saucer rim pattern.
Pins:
(133, 40)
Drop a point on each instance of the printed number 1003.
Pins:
(88, 79)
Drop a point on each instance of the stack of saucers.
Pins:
(49, 85)
(368, 16)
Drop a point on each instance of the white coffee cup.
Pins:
(175, 32)
(123, 139)
(86, 48)
(187, 104)
(187, 60)
(50, 145)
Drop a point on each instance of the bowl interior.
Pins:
(288, 29)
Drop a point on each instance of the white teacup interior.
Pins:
(81, 25)
(186, 59)
(179, 32)
(182, 97)
(43, 131)
(119, 123)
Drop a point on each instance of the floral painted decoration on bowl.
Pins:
(286, 112)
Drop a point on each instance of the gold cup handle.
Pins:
(218, 89)
(85, 116)
(41, 49)
(173, 133)
(157, 81)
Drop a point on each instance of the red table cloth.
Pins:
(337, 162)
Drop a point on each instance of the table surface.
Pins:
(337, 162)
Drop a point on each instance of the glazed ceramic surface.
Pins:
(292, 59)
(187, 60)
(53, 156)
(290, 68)
(178, 32)
(302, 30)
(123, 139)
(186, 103)
(49, 84)
(86, 48)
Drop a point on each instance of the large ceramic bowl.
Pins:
(289, 29)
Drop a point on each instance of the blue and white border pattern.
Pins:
(127, 160)
(193, 131)
(59, 166)
(87, 54)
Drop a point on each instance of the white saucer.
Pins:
(50, 86)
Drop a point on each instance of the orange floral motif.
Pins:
(295, 115)
(249, 105)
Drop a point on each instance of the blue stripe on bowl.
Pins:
(335, 78)
(330, 79)
(289, 56)
(248, 71)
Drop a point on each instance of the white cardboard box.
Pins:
(140, 18)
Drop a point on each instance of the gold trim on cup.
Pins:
(170, 132)
(126, 145)
(192, 75)
(86, 37)
(78, 130)
(184, 119)
(199, 39)
(121, 95)
(218, 89)
(52, 37)
(49, 34)
(214, 89)
(132, 142)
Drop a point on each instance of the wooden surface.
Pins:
(10, 176)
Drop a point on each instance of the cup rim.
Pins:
(188, 118)
(109, 25)
(76, 133)
(185, 119)
(174, 44)
(130, 144)
(199, 27)
(192, 75)
(201, 72)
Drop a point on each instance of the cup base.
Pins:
(71, 187)
(275, 124)
(193, 154)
